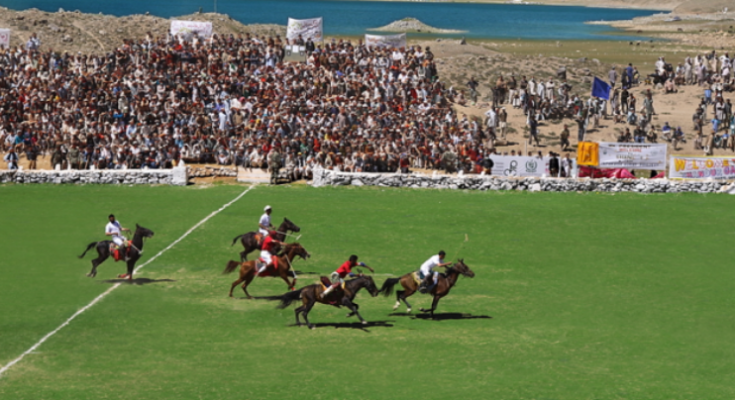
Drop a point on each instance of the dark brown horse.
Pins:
(310, 295)
(283, 269)
(250, 240)
(442, 288)
(134, 252)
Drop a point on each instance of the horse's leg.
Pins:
(237, 282)
(248, 277)
(404, 296)
(282, 273)
(299, 310)
(102, 254)
(131, 266)
(353, 307)
(245, 287)
(293, 275)
(433, 306)
(357, 307)
(311, 301)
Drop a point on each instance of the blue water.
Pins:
(355, 17)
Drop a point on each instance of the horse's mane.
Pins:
(360, 277)
(288, 246)
(451, 269)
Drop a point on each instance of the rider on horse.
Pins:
(264, 225)
(427, 269)
(266, 252)
(345, 269)
(115, 230)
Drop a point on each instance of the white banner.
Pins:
(702, 167)
(187, 29)
(633, 155)
(388, 41)
(523, 166)
(307, 28)
(5, 38)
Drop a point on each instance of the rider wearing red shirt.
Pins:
(345, 269)
(267, 251)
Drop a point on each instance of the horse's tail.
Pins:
(387, 288)
(91, 245)
(237, 237)
(231, 266)
(289, 298)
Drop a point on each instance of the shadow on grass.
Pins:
(137, 281)
(441, 316)
(350, 325)
(308, 273)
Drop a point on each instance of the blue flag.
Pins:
(600, 89)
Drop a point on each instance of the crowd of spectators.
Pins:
(231, 99)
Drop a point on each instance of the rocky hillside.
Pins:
(76, 31)
(412, 25)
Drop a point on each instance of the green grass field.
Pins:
(588, 296)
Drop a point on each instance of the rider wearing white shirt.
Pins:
(115, 230)
(427, 269)
(264, 225)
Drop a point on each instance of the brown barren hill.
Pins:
(94, 33)
(705, 6)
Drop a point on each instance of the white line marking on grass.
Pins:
(108, 291)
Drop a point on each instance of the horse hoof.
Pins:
(312, 327)
(408, 310)
(364, 322)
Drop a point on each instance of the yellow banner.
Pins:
(588, 153)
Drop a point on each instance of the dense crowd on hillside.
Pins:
(232, 100)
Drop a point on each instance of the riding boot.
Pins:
(422, 286)
(261, 267)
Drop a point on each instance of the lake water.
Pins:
(355, 17)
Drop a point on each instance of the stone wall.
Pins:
(207, 171)
(478, 182)
(175, 176)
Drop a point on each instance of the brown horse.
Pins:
(442, 288)
(247, 268)
(250, 240)
(310, 295)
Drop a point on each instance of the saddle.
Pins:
(116, 253)
(415, 276)
(325, 282)
(271, 270)
(259, 239)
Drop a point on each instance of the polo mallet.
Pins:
(288, 234)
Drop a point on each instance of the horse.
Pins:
(134, 252)
(248, 269)
(444, 284)
(309, 295)
(250, 242)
